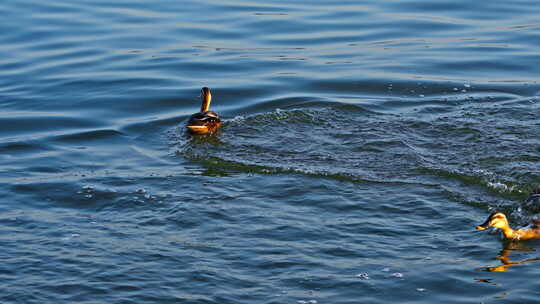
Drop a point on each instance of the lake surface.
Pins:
(361, 144)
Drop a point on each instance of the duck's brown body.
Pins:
(205, 121)
(499, 220)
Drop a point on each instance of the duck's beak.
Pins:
(483, 226)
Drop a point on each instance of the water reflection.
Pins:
(204, 139)
(504, 257)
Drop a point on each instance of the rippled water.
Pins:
(361, 144)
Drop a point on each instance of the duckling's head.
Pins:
(206, 97)
(496, 219)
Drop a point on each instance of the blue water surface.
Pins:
(362, 141)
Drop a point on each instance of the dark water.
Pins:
(362, 142)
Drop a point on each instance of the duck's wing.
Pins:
(211, 114)
(197, 116)
(203, 118)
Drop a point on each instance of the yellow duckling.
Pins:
(498, 220)
(205, 121)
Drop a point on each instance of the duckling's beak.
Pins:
(483, 226)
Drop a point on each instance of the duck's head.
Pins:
(206, 98)
(496, 219)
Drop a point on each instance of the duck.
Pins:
(205, 121)
(499, 220)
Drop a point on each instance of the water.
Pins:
(362, 142)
